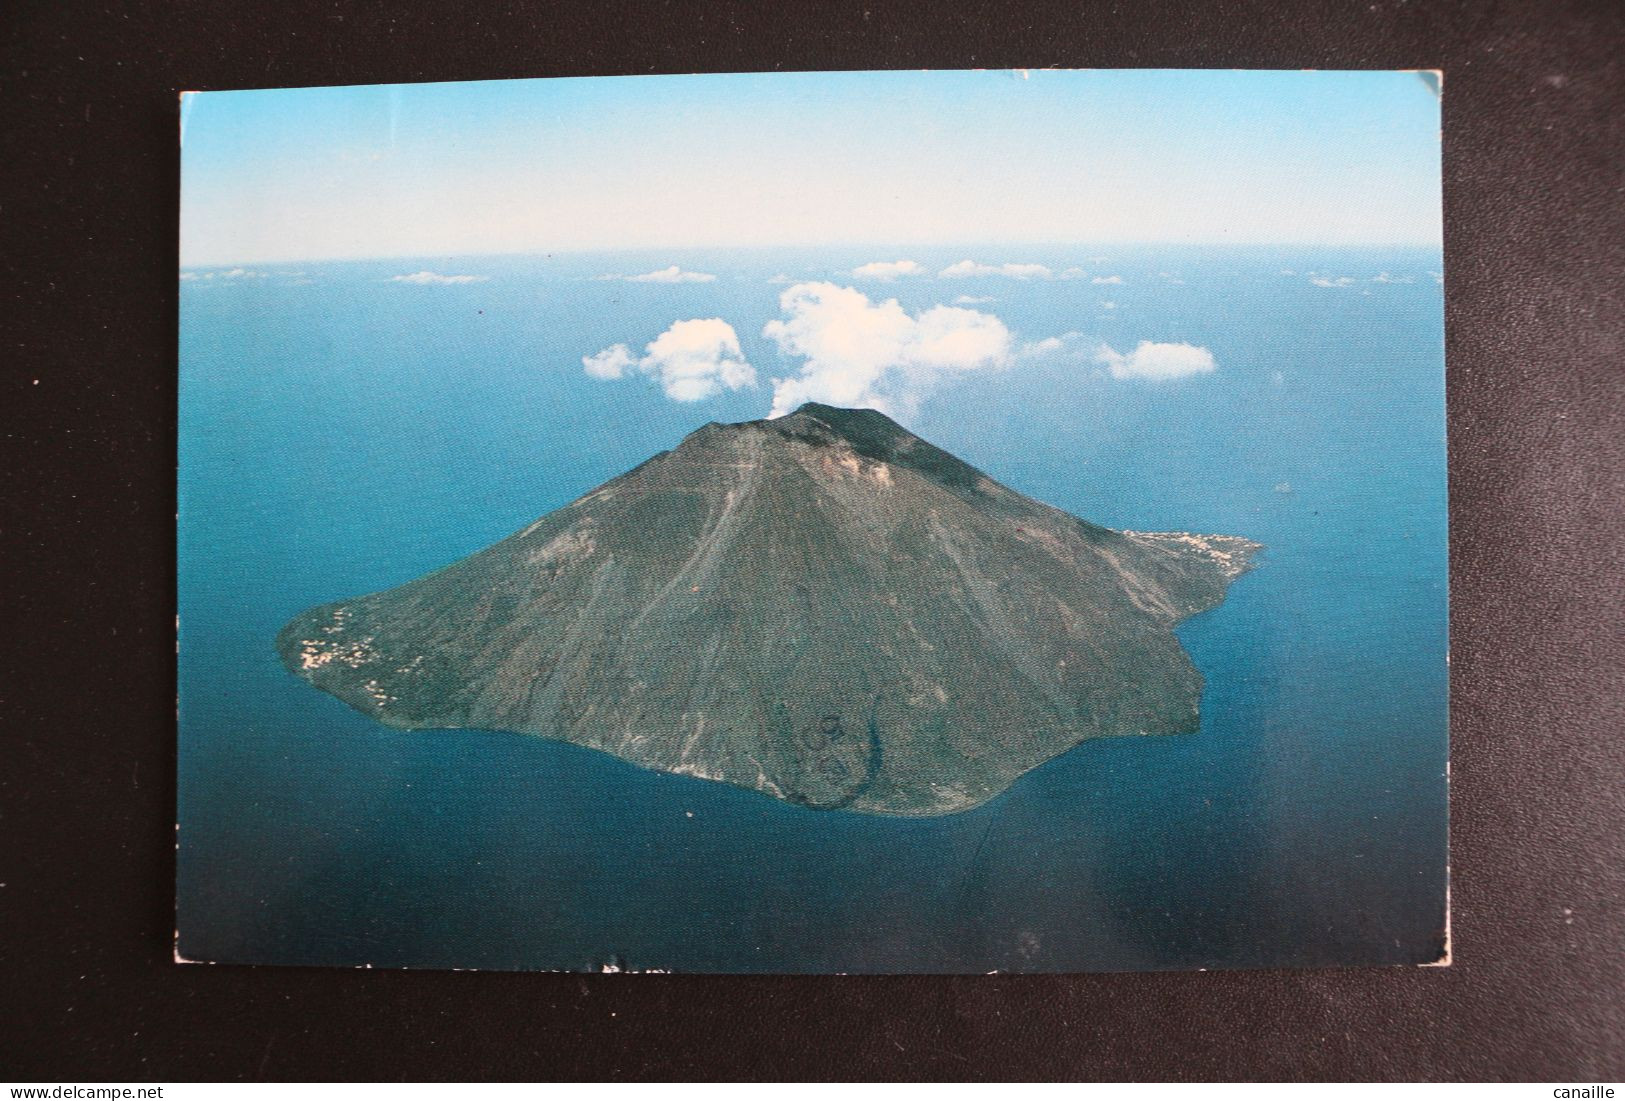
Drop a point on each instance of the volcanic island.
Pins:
(822, 607)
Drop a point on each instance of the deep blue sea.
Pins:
(341, 433)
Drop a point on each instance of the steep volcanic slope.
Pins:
(823, 607)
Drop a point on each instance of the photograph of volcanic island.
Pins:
(822, 607)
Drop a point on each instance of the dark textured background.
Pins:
(1535, 197)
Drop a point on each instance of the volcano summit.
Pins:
(822, 607)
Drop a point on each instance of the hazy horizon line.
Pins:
(1437, 246)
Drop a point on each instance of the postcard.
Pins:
(882, 522)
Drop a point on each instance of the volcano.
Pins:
(823, 607)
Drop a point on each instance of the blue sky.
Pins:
(888, 159)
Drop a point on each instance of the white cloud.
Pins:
(1386, 278)
(955, 338)
(1072, 273)
(611, 363)
(434, 279)
(232, 274)
(1331, 280)
(781, 279)
(1070, 348)
(973, 300)
(1107, 280)
(1012, 271)
(694, 359)
(860, 353)
(673, 274)
(1048, 346)
(1151, 360)
(691, 360)
(1108, 305)
(887, 270)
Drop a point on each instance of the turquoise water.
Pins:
(341, 433)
